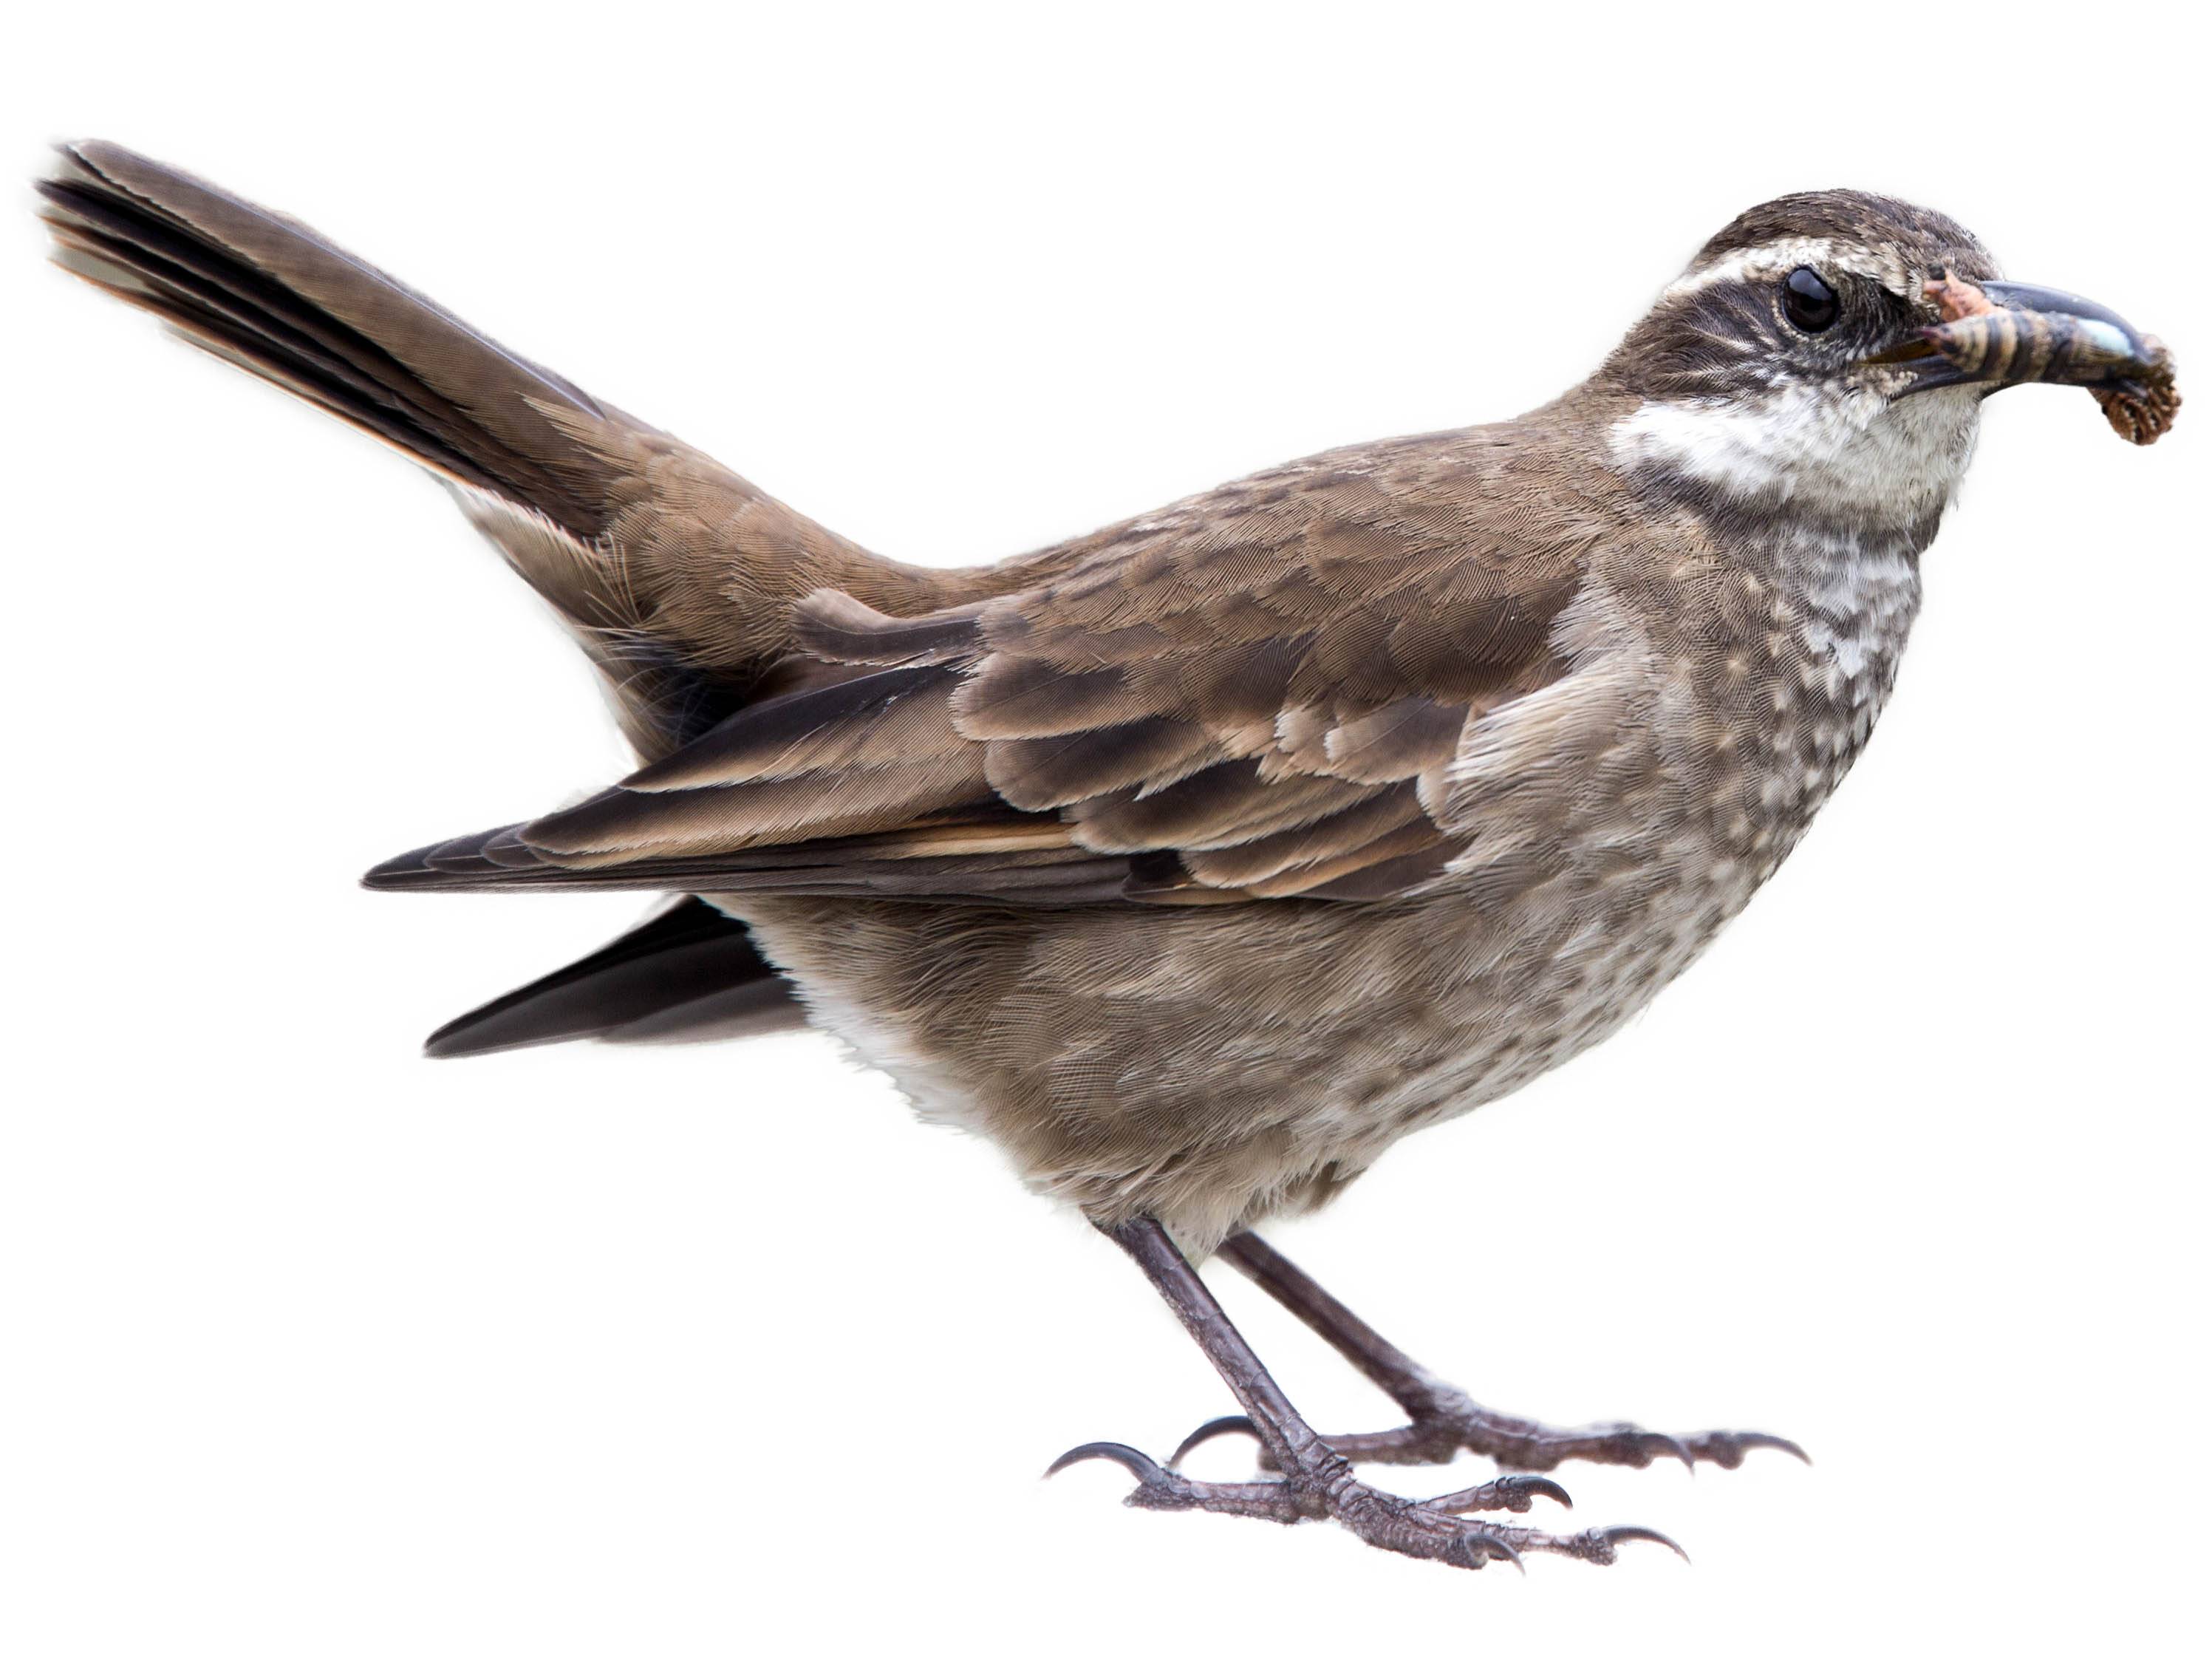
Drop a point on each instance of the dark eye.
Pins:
(1808, 302)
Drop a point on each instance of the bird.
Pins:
(1196, 862)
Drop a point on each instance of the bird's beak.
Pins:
(1994, 335)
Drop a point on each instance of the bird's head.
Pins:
(1831, 351)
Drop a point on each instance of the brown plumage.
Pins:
(1198, 860)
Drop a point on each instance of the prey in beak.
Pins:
(2001, 334)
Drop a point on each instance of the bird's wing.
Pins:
(1255, 694)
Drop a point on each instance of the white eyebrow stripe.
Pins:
(1772, 259)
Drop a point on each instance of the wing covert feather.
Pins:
(1253, 695)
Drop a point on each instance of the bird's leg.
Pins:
(1445, 1420)
(1317, 1481)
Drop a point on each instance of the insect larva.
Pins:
(2131, 377)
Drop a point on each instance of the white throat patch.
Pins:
(1844, 452)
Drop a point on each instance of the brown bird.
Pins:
(1197, 860)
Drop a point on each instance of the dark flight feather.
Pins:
(688, 972)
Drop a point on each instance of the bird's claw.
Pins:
(1213, 1429)
(1609, 1538)
(1726, 1448)
(1433, 1529)
(1515, 1493)
(1112, 1451)
(1166, 1488)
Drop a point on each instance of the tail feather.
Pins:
(249, 349)
(540, 467)
(275, 297)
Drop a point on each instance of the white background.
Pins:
(315, 1347)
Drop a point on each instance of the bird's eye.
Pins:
(1808, 302)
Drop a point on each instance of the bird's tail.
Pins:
(274, 297)
(678, 576)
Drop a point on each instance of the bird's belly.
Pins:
(1551, 1000)
(1211, 1066)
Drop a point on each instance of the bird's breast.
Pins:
(1804, 668)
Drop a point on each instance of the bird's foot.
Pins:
(1322, 1486)
(1445, 1423)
